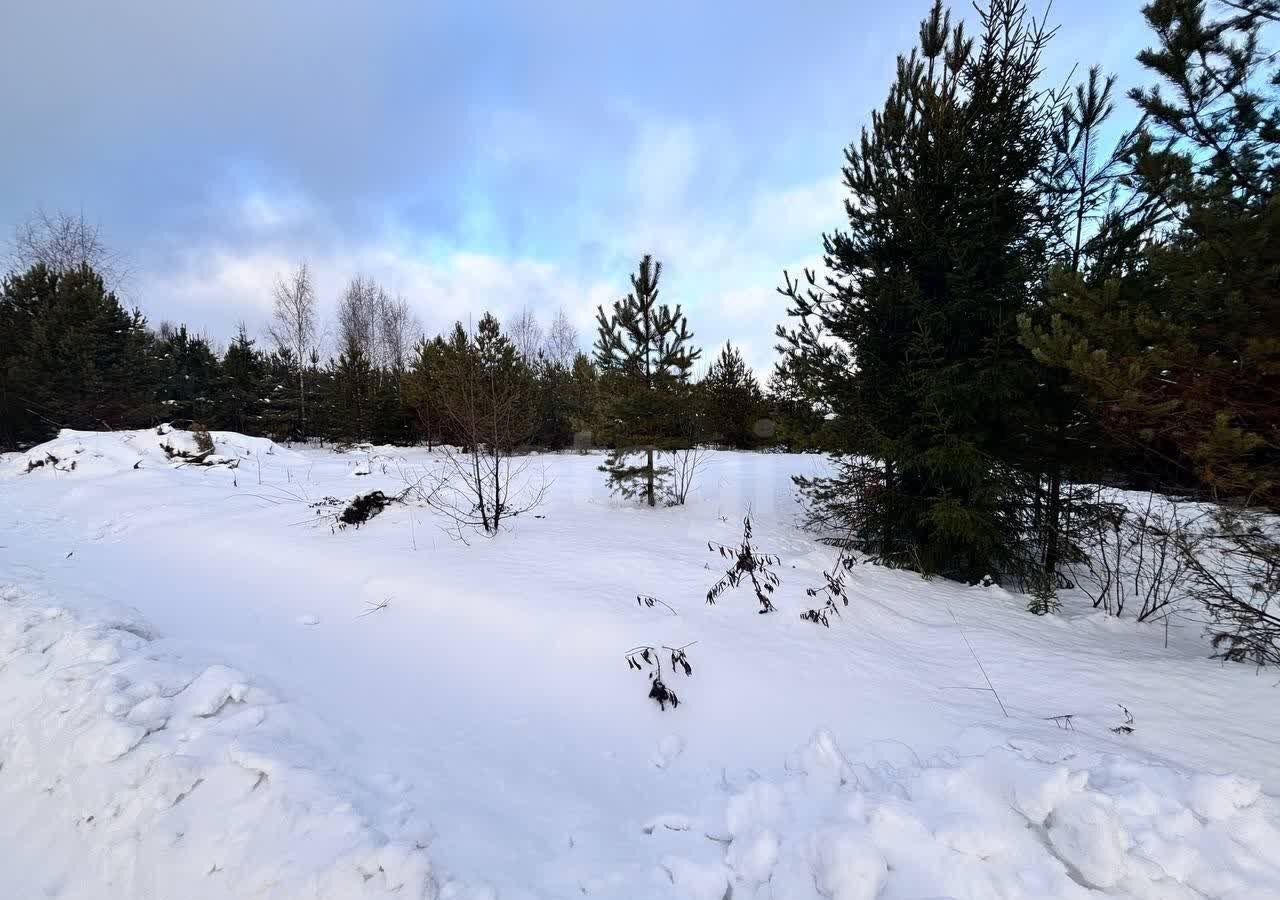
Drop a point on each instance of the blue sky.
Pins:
(471, 156)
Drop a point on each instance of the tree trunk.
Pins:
(1053, 513)
(649, 475)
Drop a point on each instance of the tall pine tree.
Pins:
(1179, 351)
(912, 339)
(644, 353)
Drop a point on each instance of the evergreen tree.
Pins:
(925, 377)
(352, 384)
(420, 389)
(188, 374)
(644, 355)
(279, 413)
(1179, 352)
(799, 421)
(240, 389)
(733, 400)
(552, 383)
(71, 356)
(582, 402)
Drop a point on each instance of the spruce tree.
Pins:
(925, 377)
(644, 353)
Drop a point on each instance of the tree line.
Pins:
(72, 355)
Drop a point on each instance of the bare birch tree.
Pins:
(561, 345)
(526, 335)
(293, 326)
(400, 330)
(358, 313)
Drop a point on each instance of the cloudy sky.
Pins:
(469, 155)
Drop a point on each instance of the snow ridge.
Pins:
(125, 773)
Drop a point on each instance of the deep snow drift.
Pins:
(208, 690)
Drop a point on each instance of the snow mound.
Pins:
(110, 452)
(1009, 823)
(128, 774)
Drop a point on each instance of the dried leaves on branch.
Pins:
(651, 602)
(749, 564)
(831, 591)
(648, 659)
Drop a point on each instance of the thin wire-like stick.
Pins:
(990, 686)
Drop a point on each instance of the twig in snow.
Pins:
(646, 600)
(374, 607)
(991, 687)
(1125, 727)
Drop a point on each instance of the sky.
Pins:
(469, 156)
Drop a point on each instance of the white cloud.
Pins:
(212, 290)
(723, 267)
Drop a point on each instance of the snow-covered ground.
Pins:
(208, 691)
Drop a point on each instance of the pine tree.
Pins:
(583, 402)
(188, 374)
(926, 378)
(71, 356)
(644, 355)
(733, 400)
(420, 389)
(352, 379)
(798, 417)
(238, 395)
(1179, 352)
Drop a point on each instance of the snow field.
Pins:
(207, 691)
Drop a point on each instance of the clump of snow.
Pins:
(127, 774)
(1001, 824)
(112, 452)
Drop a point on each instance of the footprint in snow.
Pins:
(669, 749)
(308, 620)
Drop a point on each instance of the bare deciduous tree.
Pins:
(526, 335)
(383, 327)
(398, 329)
(562, 341)
(484, 391)
(1131, 555)
(63, 241)
(293, 325)
(358, 313)
(684, 466)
